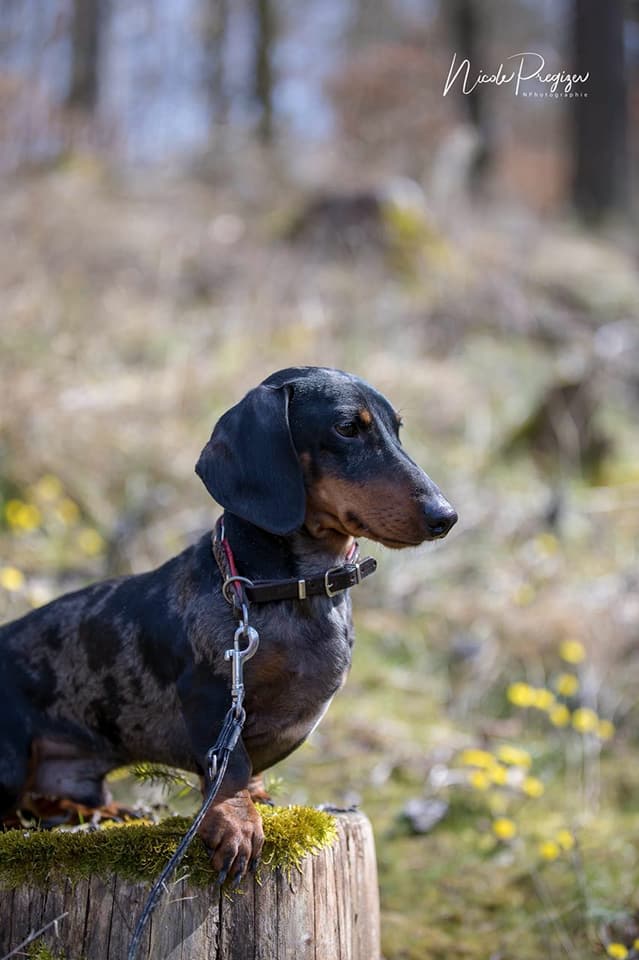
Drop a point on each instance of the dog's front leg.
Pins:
(232, 829)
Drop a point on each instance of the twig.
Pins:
(546, 901)
(34, 935)
(582, 887)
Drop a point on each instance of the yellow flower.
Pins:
(520, 694)
(11, 579)
(498, 803)
(635, 944)
(477, 758)
(498, 774)
(48, 488)
(617, 950)
(513, 756)
(22, 516)
(560, 715)
(12, 510)
(585, 720)
(567, 684)
(532, 787)
(549, 850)
(543, 699)
(67, 511)
(486, 843)
(479, 780)
(565, 839)
(90, 542)
(524, 595)
(547, 543)
(572, 651)
(504, 828)
(605, 730)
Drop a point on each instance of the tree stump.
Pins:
(326, 910)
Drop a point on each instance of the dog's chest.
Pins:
(292, 679)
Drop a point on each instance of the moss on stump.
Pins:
(137, 851)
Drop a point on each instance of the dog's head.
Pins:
(320, 448)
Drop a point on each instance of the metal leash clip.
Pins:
(236, 715)
(237, 655)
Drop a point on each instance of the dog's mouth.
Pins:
(355, 527)
(350, 524)
(395, 544)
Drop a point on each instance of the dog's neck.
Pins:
(260, 555)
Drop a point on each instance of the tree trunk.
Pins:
(85, 54)
(465, 28)
(329, 910)
(600, 183)
(215, 31)
(264, 40)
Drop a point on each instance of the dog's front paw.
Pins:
(232, 833)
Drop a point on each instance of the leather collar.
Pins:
(334, 580)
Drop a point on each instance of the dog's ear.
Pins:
(250, 465)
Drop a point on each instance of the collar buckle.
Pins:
(350, 570)
(327, 587)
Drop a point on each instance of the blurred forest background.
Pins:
(196, 193)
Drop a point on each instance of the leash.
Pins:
(239, 591)
(217, 757)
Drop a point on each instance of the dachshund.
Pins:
(133, 669)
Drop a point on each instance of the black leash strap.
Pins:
(218, 757)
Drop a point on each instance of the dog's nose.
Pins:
(440, 518)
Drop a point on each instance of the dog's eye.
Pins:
(349, 429)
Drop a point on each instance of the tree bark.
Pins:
(215, 30)
(329, 910)
(85, 54)
(465, 28)
(264, 40)
(600, 179)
